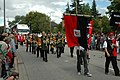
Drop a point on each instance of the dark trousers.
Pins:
(21, 43)
(44, 53)
(28, 45)
(59, 51)
(114, 64)
(63, 49)
(71, 51)
(33, 49)
(52, 50)
(48, 48)
(82, 55)
(39, 50)
(3, 72)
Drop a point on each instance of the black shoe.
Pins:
(81, 63)
(88, 74)
(46, 60)
(106, 73)
(72, 56)
(117, 75)
(43, 59)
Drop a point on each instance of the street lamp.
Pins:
(4, 17)
(50, 20)
(50, 23)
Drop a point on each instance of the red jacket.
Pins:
(9, 54)
(114, 49)
(22, 39)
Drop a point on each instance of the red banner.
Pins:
(70, 25)
(90, 33)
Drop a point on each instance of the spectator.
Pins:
(12, 43)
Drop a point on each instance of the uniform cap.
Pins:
(111, 33)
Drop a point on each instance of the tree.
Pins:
(105, 24)
(81, 8)
(73, 7)
(59, 27)
(38, 22)
(68, 8)
(101, 24)
(18, 19)
(76, 4)
(86, 9)
(95, 25)
(114, 7)
(94, 10)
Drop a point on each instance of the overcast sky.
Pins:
(53, 7)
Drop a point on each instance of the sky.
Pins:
(52, 8)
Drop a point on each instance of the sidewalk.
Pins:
(118, 55)
(21, 68)
(16, 64)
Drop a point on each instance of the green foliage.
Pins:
(1, 29)
(95, 26)
(105, 24)
(101, 24)
(68, 8)
(81, 8)
(73, 6)
(38, 22)
(18, 19)
(115, 6)
(86, 9)
(94, 10)
(60, 28)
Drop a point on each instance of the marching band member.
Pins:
(59, 44)
(44, 46)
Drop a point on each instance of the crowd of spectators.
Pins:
(7, 54)
(98, 40)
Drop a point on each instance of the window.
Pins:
(23, 30)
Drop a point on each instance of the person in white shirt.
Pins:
(110, 47)
(82, 54)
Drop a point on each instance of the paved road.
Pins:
(64, 68)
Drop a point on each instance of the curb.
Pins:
(16, 64)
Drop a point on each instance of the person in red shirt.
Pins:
(110, 46)
(22, 39)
